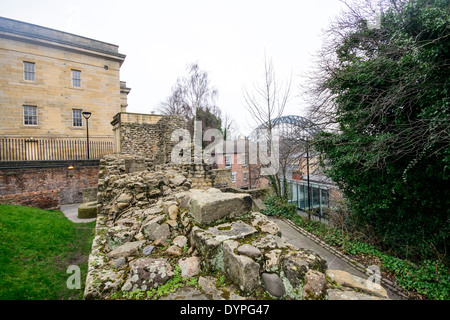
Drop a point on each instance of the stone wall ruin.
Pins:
(154, 225)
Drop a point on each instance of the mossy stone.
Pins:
(88, 210)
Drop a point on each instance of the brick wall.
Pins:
(27, 177)
(49, 200)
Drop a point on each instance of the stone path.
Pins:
(292, 235)
(71, 212)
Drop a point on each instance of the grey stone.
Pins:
(231, 231)
(186, 293)
(173, 212)
(125, 250)
(249, 250)
(125, 198)
(351, 281)
(88, 210)
(180, 241)
(190, 267)
(296, 264)
(174, 251)
(241, 269)
(148, 250)
(155, 231)
(153, 211)
(262, 222)
(334, 294)
(147, 273)
(119, 263)
(207, 208)
(273, 284)
(178, 180)
(315, 286)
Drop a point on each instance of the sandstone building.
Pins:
(47, 79)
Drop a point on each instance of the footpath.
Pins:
(300, 238)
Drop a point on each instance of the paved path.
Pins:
(299, 240)
(71, 212)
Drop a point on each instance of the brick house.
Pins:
(235, 156)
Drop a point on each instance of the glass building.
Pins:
(319, 195)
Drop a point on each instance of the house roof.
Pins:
(28, 32)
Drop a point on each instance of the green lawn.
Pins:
(36, 248)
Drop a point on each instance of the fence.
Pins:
(21, 149)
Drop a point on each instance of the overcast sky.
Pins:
(228, 39)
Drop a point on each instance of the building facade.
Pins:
(244, 175)
(48, 78)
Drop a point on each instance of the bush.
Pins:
(431, 278)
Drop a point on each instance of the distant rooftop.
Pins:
(26, 31)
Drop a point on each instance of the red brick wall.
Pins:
(50, 176)
(240, 169)
(50, 200)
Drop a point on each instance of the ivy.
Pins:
(431, 278)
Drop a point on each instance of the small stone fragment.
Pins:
(273, 284)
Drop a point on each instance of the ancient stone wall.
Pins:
(152, 227)
(146, 135)
(222, 178)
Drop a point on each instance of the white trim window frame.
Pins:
(30, 115)
(29, 71)
(227, 162)
(76, 78)
(77, 119)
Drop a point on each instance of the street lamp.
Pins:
(87, 115)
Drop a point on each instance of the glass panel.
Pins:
(28, 68)
(76, 78)
(29, 115)
(324, 199)
(77, 120)
(315, 197)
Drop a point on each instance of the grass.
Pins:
(36, 248)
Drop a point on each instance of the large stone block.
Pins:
(346, 279)
(209, 242)
(207, 208)
(243, 270)
(88, 210)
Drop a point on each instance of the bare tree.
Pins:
(191, 94)
(266, 103)
(228, 126)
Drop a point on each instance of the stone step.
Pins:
(207, 208)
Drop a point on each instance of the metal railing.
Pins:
(26, 149)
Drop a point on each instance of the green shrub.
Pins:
(431, 278)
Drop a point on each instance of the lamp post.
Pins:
(87, 115)
(307, 168)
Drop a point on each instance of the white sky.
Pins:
(227, 38)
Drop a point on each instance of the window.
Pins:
(29, 116)
(76, 78)
(233, 177)
(244, 159)
(77, 120)
(245, 176)
(28, 71)
(227, 161)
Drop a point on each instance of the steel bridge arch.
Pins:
(288, 124)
